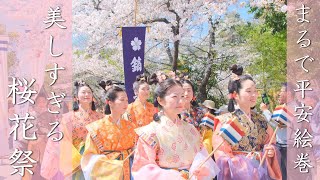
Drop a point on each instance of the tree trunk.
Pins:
(168, 50)
(203, 85)
(175, 56)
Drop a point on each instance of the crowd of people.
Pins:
(172, 138)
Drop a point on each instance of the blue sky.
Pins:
(79, 41)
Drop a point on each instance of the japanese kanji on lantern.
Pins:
(133, 39)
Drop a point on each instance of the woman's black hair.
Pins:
(104, 84)
(152, 79)
(140, 79)
(212, 111)
(161, 90)
(193, 101)
(111, 93)
(75, 105)
(235, 85)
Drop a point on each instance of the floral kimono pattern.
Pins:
(193, 116)
(139, 114)
(165, 148)
(241, 161)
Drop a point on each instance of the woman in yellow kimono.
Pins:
(241, 161)
(170, 148)
(207, 124)
(141, 111)
(110, 140)
(62, 159)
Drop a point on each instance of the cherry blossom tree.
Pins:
(207, 60)
(170, 22)
(178, 31)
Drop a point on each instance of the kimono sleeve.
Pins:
(97, 166)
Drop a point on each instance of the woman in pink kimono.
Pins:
(170, 148)
(241, 161)
(62, 158)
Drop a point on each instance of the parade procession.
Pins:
(159, 90)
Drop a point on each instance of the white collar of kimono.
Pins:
(174, 121)
(143, 104)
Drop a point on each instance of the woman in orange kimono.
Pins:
(170, 148)
(62, 159)
(110, 140)
(141, 111)
(241, 161)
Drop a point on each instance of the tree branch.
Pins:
(164, 20)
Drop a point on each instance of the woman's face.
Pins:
(120, 104)
(144, 91)
(247, 96)
(85, 95)
(174, 100)
(188, 92)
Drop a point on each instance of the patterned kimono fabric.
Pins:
(257, 133)
(176, 144)
(108, 143)
(256, 138)
(65, 156)
(79, 134)
(139, 114)
(193, 116)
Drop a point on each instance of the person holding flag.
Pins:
(286, 97)
(207, 124)
(239, 159)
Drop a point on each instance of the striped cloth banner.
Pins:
(281, 115)
(3, 45)
(232, 131)
(208, 120)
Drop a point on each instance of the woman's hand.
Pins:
(263, 107)
(201, 172)
(270, 151)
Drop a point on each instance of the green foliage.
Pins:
(274, 21)
(270, 66)
(79, 53)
